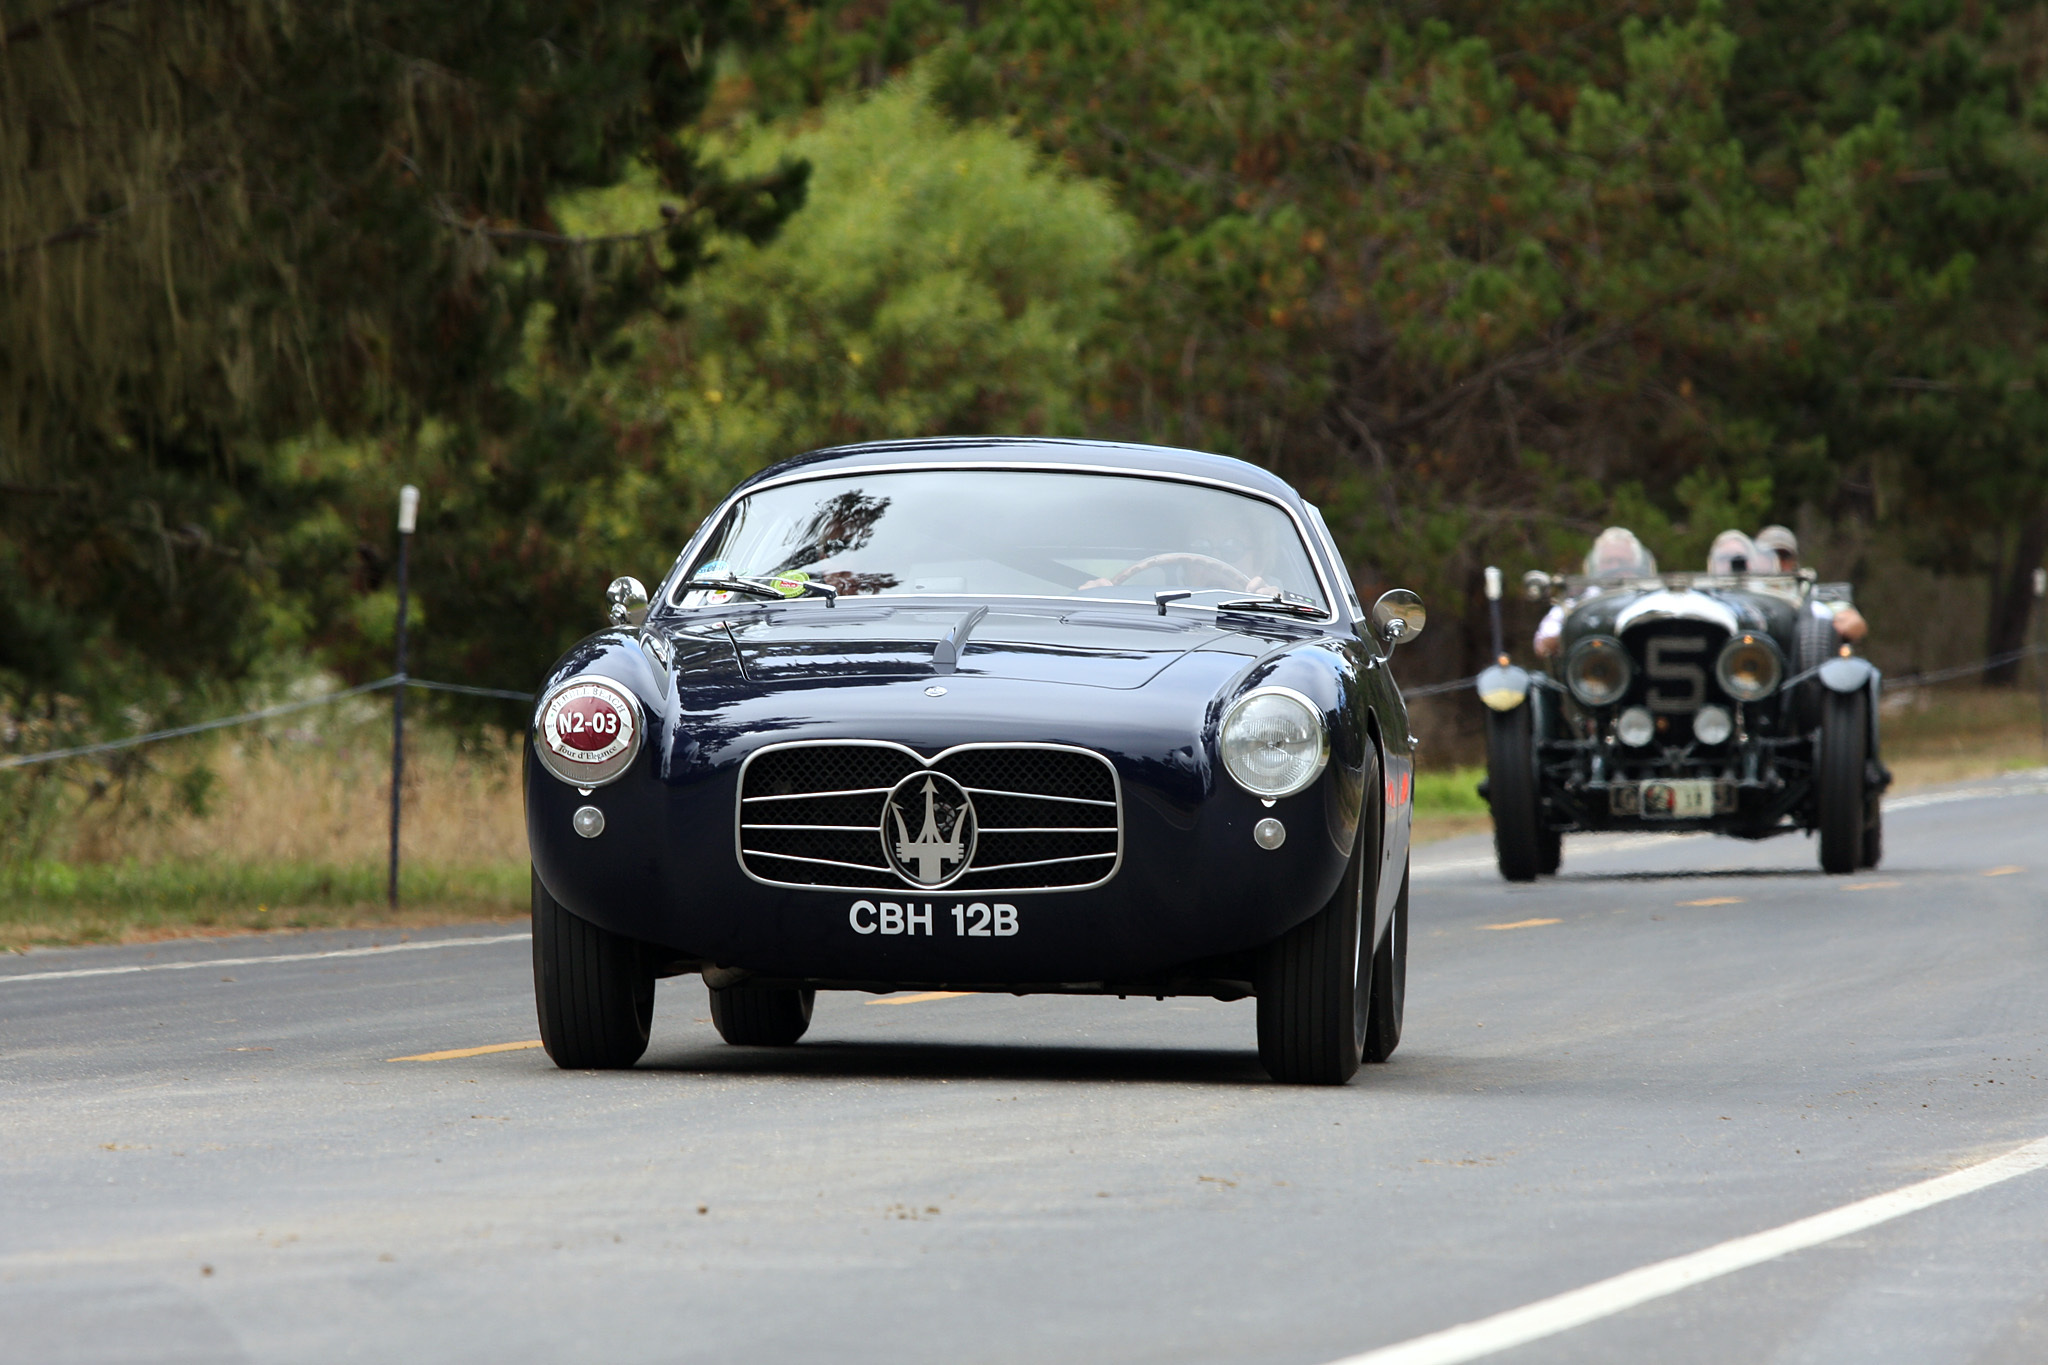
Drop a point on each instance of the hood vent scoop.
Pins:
(946, 654)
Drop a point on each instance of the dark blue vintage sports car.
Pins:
(984, 715)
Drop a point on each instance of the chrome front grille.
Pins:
(1045, 817)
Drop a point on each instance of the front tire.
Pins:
(1315, 981)
(593, 989)
(761, 1016)
(1511, 791)
(1843, 804)
(1389, 983)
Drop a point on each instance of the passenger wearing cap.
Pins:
(1734, 553)
(1847, 621)
(1616, 557)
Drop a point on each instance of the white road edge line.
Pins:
(1561, 1313)
(419, 947)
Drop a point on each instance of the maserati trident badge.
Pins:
(928, 829)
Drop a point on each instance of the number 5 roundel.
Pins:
(589, 731)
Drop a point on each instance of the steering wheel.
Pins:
(1240, 579)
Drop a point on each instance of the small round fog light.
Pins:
(1635, 728)
(1713, 725)
(588, 821)
(1269, 833)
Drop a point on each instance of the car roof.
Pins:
(1043, 450)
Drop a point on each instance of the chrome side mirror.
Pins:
(1398, 616)
(1535, 585)
(627, 599)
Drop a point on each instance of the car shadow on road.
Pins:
(944, 1061)
(1694, 874)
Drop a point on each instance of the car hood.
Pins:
(1109, 648)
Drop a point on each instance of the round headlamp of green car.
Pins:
(1749, 668)
(1598, 670)
(1273, 742)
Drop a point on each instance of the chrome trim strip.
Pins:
(666, 594)
(740, 851)
(850, 829)
(1042, 862)
(807, 796)
(1035, 796)
(1029, 829)
(821, 862)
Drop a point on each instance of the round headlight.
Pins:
(1749, 669)
(1273, 742)
(1503, 686)
(1713, 725)
(587, 731)
(1598, 670)
(1636, 727)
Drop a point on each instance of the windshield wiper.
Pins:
(1274, 603)
(765, 587)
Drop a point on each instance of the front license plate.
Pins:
(1680, 799)
(929, 919)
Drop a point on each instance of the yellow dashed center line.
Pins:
(454, 1053)
(2004, 871)
(1869, 886)
(1523, 924)
(919, 998)
(1717, 900)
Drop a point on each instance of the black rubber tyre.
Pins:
(1549, 851)
(1873, 833)
(594, 989)
(1389, 983)
(761, 1016)
(1842, 802)
(1315, 981)
(1511, 791)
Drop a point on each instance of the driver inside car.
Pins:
(1616, 557)
(1232, 563)
(1782, 547)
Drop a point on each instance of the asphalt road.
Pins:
(1678, 1042)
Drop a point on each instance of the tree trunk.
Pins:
(2012, 600)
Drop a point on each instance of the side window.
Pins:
(1315, 516)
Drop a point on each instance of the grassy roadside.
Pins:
(294, 837)
(67, 904)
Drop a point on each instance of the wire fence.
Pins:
(251, 717)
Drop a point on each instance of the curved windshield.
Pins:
(1004, 533)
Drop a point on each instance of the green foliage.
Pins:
(939, 279)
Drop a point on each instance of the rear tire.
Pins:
(1389, 983)
(1843, 804)
(593, 989)
(1549, 851)
(1511, 791)
(761, 1016)
(1873, 834)
(1315, 981)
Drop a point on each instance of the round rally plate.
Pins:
(588, 723)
